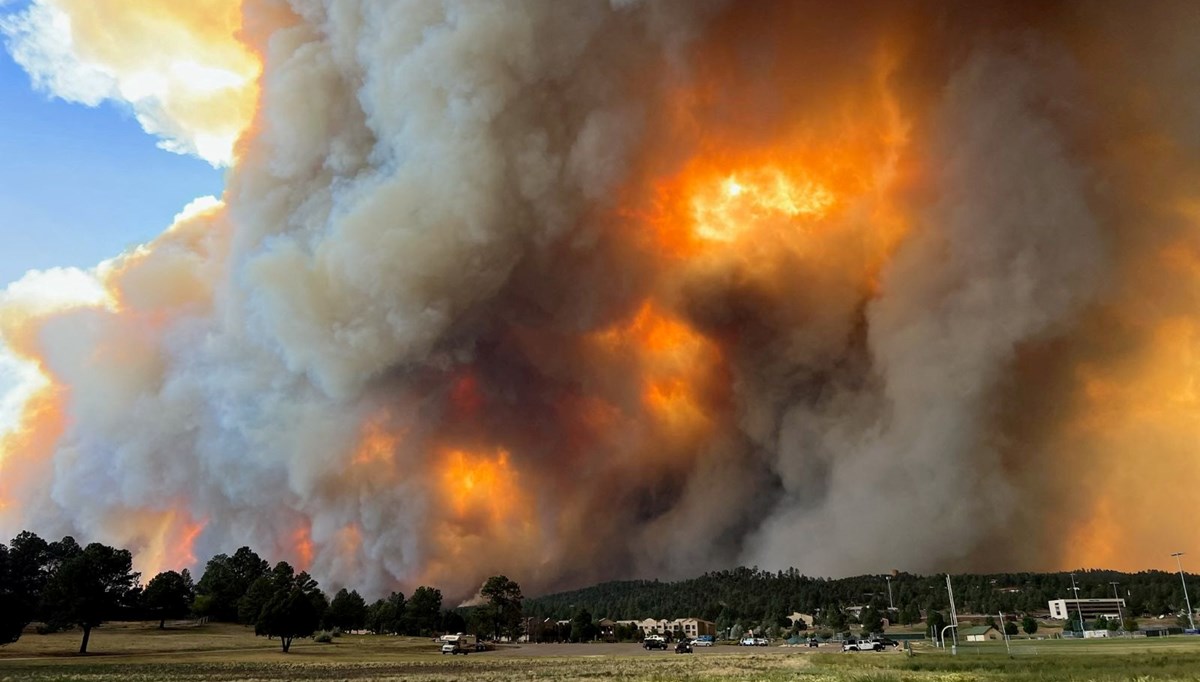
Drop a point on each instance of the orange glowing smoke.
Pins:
(167, 538)
(482, 491)
(376, 444)
(25, 451)
(674, 361)
(302, 547)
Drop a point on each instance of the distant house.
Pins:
(694, 627)
(685, 627)
(981, 633)
(797, 617)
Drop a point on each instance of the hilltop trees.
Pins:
(169, 595)
(87, 586)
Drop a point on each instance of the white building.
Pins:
(1069, 609)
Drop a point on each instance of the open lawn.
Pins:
(137, 651)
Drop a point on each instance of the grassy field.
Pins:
(222, 652)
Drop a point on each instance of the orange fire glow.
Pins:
(302, 546)
(674, 360)
(741, 201)
(376, 445)
(481, 488)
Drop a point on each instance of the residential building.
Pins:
(1069, 609)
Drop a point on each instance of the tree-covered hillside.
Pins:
(749, 596)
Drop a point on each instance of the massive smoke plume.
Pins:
(574, 291)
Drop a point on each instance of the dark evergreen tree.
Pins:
(225, 581)
(422, 612)
(87, 586)
(347, 611)
(169, 595)
(504, 598)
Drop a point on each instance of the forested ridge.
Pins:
(751, 595)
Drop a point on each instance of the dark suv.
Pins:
(654, 644)
(683, 647)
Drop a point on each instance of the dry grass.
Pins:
(223, 652)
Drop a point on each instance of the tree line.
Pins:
(751, 598)
(62, 585)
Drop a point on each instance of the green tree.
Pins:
(504, 597)
(347, 611)
(872, 621)
(1010, 628)
(1029, 625)
(288, 614)
(87, 587)
(910, 614)
(225, 581)
(935, 620)
(582, 627)
(452, 621)
(835, 618)
(16, 609)
(264, 587)
(169, 595)
(1131, 625)
(422, 612)
(385, 615)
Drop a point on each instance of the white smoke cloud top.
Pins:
(193, 92)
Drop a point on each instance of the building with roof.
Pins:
(1070, 609)
(981, 633)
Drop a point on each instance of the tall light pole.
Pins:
(1078, 608)
(891, 606)
(1120, 617)
(1179, 563)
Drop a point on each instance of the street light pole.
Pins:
(1179, 563)
(1120, 617)
(891, 606)
(1078, 608)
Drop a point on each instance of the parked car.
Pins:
(861, 645)
(683, 647)
(701, 641)
(747, 641)
(812, 642)
(885, 641)
(454, 648)
(760, 641)
(654, 643)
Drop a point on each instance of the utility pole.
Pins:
(953, 617)
(891, 605)
(1120, 616)
(1185, 594)
(1004, 631)
(1078, 608)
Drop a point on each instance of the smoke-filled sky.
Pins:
(577, 291)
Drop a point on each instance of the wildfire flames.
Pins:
(576, 293)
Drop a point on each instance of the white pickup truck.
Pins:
(861, 645)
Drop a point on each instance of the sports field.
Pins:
(223, 652)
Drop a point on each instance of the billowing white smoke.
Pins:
(442, 206)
